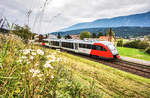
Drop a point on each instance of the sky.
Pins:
(53, 15)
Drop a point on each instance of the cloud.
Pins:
(59, 14)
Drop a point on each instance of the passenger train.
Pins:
(100, 49)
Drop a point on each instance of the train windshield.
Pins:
(111, 47)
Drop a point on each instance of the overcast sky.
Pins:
(59, 14)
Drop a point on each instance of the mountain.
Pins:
(119, 31)
(140, 20)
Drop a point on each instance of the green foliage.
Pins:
(120, 43)
(59, 36)
(22, 76)
(110, 32)
(147, 50)
(100, 34)
(85, 34)
(94, 35)
(23, 32)
(68, 37)
(137, 44)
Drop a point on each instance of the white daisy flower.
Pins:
(59, 59)
(19, 61)
(52, 76)
(40, 52)
(48, 66)
(31, 57)
(35, 72)
(51, 58)
(36, 64)
(27, 51)
(40, 75)
(28, 62)
(23, 57)
(33, 53)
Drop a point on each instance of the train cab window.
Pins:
(111, 47)
(96, 47)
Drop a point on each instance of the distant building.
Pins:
(75, 36)
(39, 38)
(107, 38)
(51, 36)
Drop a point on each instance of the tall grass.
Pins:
(31, 71)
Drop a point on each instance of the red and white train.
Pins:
(100, 49)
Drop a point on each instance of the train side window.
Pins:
(96, 47)
(89, 46)
(81, 45)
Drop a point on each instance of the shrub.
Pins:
(143, 45)
(120, 43)
(85, 34)
(137, 44)
(147, 50)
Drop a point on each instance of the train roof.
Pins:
(80, 41)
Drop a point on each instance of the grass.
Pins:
(66, 76)
(134, 53)
(109, 81)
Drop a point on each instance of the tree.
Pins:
(68, 37)
(110, 33)
(94, 35)
(24, 32)
(59, 36)
(120, 43)
(85, 34)
(100, 34)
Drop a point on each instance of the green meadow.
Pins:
(134, 53)
(32, 71)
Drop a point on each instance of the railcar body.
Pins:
(102, 49)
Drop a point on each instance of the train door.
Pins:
(76, 47)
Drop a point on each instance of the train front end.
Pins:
(114, 51)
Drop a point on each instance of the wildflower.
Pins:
(22, 73)
(35, 72)
(19, 61)
(27, 51)
(59, 59)
(36, 64)
(51, 57)
(54, 53)
(24, 57)
(48, 65)
(33, 53)
(31, 57)
(40, 52)
(28, 62)
(52, 76)
(39, 75)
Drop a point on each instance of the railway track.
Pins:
(131, 67)
(134, 68)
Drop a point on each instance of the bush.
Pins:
(85, 34)
(137, 44)
(143, 45)
(147, 50)
(120, 43)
